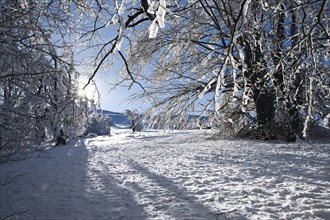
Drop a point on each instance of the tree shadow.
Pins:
(170, 200)
(274, 177)
(62, 186)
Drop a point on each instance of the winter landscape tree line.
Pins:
(259, 67)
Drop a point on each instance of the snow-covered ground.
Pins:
(177, 175)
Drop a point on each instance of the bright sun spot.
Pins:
(89, 91)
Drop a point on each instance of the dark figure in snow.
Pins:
(133, 125)
(61, 139)
(291, 137)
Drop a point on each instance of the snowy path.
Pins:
(181, 175)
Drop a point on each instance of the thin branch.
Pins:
(128, 24)
(100, 64)
(130, 74)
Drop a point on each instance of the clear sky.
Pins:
(113, 100)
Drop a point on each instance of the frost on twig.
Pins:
(159, 21)
(153, 29)
(122, 26)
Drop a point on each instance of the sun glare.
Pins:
(89, 91)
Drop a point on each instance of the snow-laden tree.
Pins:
(267, 61)
(38, 84)
(270, 59)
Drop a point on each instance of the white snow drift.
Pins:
(178, 175)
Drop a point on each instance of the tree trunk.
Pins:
(265, 114)
(293, 123)
(262, 95)
(291, 108)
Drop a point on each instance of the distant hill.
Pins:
(119, 119)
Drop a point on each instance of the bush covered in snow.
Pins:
(136, 119)
(99, 124)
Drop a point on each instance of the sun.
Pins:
(89, 91)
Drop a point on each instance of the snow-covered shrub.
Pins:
(135, 118)
(99, 124)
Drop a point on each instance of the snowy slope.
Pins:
(119, 119)
(177, 175)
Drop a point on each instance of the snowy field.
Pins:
(177, 175)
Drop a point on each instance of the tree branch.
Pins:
(130, 74)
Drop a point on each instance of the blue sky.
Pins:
(110, 99)
(113, 100)
(116, 99)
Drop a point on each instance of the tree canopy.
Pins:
(260, 65)
(263, 64)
